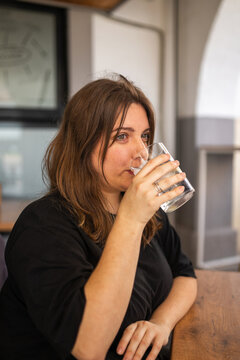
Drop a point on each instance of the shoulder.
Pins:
(45, 226)
(46, 219)
(45, 210)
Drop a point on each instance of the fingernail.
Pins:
(119, 350)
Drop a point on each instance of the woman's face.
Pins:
(132, 138)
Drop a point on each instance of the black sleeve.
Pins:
(50, 267)
(171, 245)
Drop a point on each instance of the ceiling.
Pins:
(106, 5)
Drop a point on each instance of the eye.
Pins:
(122, 137)
(146, 137)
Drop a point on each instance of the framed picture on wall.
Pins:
(33, 67)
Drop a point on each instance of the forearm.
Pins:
(109, 289)
(178, 302)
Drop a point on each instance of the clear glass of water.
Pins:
(149, 153)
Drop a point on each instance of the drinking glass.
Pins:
(151, 152)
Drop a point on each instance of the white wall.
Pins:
(132, 51)
(143, 12)
(159, 14)
(138, 40)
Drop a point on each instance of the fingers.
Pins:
(142, 198)
(137, 350)
(166, 175)
(137, 339)
(127, 335)
(156, 348)
(164, 171)
(160, 168)
(168, 182)
(153, 163)
(169, 195)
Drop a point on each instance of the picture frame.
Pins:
(33, 64)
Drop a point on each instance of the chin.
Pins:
(125, 186)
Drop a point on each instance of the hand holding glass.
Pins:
(151, 152)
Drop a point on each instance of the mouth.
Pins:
(130, 172)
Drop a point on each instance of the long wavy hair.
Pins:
(88, 117)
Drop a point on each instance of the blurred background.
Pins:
(184, 54)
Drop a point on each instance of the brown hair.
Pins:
(89, 116)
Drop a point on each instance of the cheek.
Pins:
(117, 159)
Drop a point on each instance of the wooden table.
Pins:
(211, 329)
(9, 212)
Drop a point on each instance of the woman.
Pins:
(95, 269)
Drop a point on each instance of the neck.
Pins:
(112, 202)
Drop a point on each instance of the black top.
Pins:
(49, 260)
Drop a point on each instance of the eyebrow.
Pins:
(129, 129)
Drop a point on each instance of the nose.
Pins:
(140, 149)
(140, 153)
